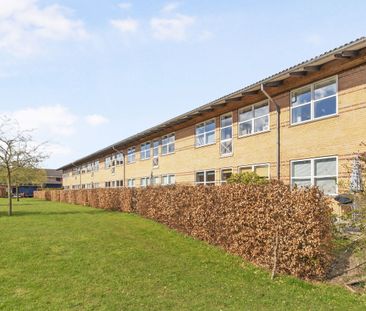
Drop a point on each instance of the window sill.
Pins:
(315, 120)
(254, 134)
(222, 156)
(163, 155)
(206, 145)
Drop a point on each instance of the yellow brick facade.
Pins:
(339, 135)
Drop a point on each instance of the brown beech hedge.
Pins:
(269, 225)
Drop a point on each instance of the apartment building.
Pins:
(302, 125)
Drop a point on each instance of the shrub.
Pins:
(247, 178)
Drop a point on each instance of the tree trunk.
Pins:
(17, 192)
(10, 195)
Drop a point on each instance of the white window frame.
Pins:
(168, 144)
(131, 183)
(169, 178)
(205, 133)
(155, 148)
(312, 101)
(254, 118)
(253, 166)
(145, 153)
(147, 181)
(204, 182)
(312, 177)
(131, 155)
(225, 169)
(227, 139)
(155, 181)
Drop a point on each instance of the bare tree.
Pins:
(17, 151)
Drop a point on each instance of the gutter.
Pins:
(278, 142)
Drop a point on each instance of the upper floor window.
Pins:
(205, 178)
(108, 162)
(119, 158)
(145, 151)
(321, 172)
(168, 144)
(156, 148)
(254, 119)
(96, 165)
(205, 133)
(226, 144)
(131, 154)
(314, 101)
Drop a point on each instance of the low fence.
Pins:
(269, 225)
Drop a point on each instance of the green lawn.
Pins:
(56, 256)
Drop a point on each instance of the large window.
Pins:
(321, 172)
(205, 177)
(205, 133)
(254, 119)
(168, 144)
(145, 181)
(261, 170)
(225, 174)
(226, 144)
(168, 179)
(314, 101)
(145, 151)
(131, 155)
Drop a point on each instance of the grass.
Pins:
(56, 256)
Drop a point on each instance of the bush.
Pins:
(253, 221)
(247, 178)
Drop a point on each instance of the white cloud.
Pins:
(125, 5)
(25, 25)
(170, 7)
(96, 119)
(175, 28)
(125, 25)
(53, 120)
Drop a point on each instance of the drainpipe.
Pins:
(278, 110)
(124, 165)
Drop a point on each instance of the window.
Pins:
(107, 184)
(168, 144)
(168, 180)
(321, 172)
(119, 183)
(96, 166)
(145, 181)
(108, 162)
(155, 180)
(225, 174)
(156, 148)
(254, 119)
(131, 155)
(145, 151)
(205, 178)
(119, 158)
(261, 170)
(226, 144)
(205, 133)
(131, 182)
(314, 101)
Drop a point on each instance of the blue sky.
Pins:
(86, 73)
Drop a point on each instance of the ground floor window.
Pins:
(205, 177)
(155, 180)
(168, 179)
(261, 170)
(145, 181)
(119, 183)
(225, 174)
(131, 182)
(321, 172)
(107, 184)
